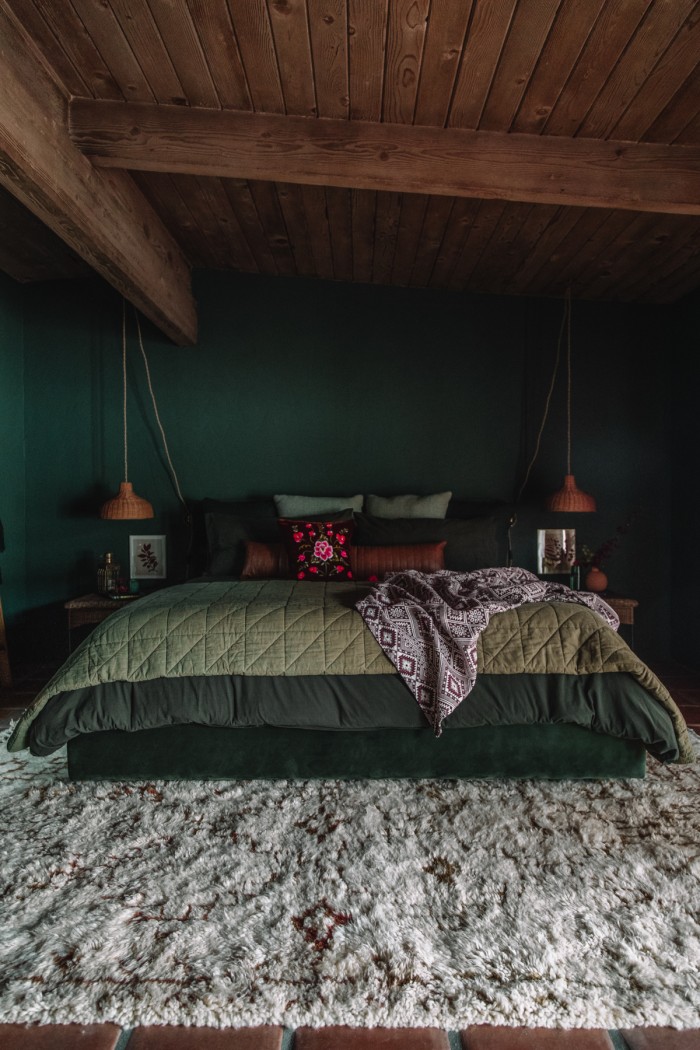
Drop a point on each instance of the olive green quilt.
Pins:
(274, 628)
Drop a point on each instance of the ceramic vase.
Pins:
(596, 580)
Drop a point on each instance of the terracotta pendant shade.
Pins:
(126, 505)
(571, 498)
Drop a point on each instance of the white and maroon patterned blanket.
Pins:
(428, 625)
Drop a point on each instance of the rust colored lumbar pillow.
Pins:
(270, 561)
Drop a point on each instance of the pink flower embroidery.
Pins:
(313, 569)
(301, 575)
(341, 539)
(323, 550)
(297, 537)
(302, 557)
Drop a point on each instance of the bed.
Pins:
(256, 668)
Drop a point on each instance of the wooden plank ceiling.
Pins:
(624, 71)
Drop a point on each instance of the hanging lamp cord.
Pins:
(157, 415)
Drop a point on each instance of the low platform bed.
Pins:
(472, 672)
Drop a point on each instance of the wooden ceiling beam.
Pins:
(393, 157)
(101, 215)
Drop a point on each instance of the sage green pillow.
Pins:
(410, 506)
(306, 506)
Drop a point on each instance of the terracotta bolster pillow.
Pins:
(269, 560)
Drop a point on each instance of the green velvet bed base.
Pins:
(196, 752)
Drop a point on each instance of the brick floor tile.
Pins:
(662, 1038)
(58, 1036)
(345, 1038)
(175, 1037)
(492, 1037)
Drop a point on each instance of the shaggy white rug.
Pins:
(368, 903)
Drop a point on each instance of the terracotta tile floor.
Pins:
(685, 689)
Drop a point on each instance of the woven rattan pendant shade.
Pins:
(570, 498)
(126, 505)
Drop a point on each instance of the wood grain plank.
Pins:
(290, 31)
(606, 42)
(394, 157)
(502, 249)
(231, 234)
(629, 247)
(442, 51)
(588, 242)
(552, 237)
(159, 191)
(536, 222)
(241, 199)
(386, 229)
(690, 135)
(215, 30)
(328, 26)
(633, 69)
(106, 33)
(41, 27)
(482, 230)
(73, 49)
(314, 200)
(573, 24)
(339, 207)
(487, 33)
(213, 247)
(292, 205)
(404, 53)
(268, 207)
(138, 26)
(455, 234)
(256, 44)
(682, 277)
(367, 29)
(679, 112)
(411, 217)
(677, 245)
(184, 48)
(528, 34)
(101, 216)
(364, 206)
(435, 223)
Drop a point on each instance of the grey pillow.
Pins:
(305, 506)
(409, 506)
(473, 543)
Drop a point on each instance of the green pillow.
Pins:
(410, 506)
(310, 506)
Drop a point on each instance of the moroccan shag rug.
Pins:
(393, 903)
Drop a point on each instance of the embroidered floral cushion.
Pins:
(318, 550)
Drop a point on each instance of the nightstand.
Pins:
(91, 608)
(624, 607)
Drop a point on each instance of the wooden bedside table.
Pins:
(91, 608)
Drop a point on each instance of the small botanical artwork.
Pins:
(556, 550)
(147, 557)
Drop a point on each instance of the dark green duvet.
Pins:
(291, 655)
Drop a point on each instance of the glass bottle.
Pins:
(108, 575)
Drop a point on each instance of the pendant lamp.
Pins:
(569, 498)
(126, 505)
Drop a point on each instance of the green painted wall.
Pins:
(310, 386)
(12, 483)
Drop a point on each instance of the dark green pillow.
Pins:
(471, 543)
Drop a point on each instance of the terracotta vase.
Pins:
(596, 580)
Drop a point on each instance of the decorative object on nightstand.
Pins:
(147, 557)
(108, 575)
(595, 580)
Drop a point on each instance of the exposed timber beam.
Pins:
(101, 215)
(402, 158)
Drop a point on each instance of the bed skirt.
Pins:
(196, 752)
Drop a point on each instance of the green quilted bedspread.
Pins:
(286, 627)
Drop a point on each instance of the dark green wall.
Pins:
(310, 386)
(12, 420)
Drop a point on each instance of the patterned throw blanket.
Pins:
(428, 625)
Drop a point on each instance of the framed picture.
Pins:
(556, 551)
(147, 557)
